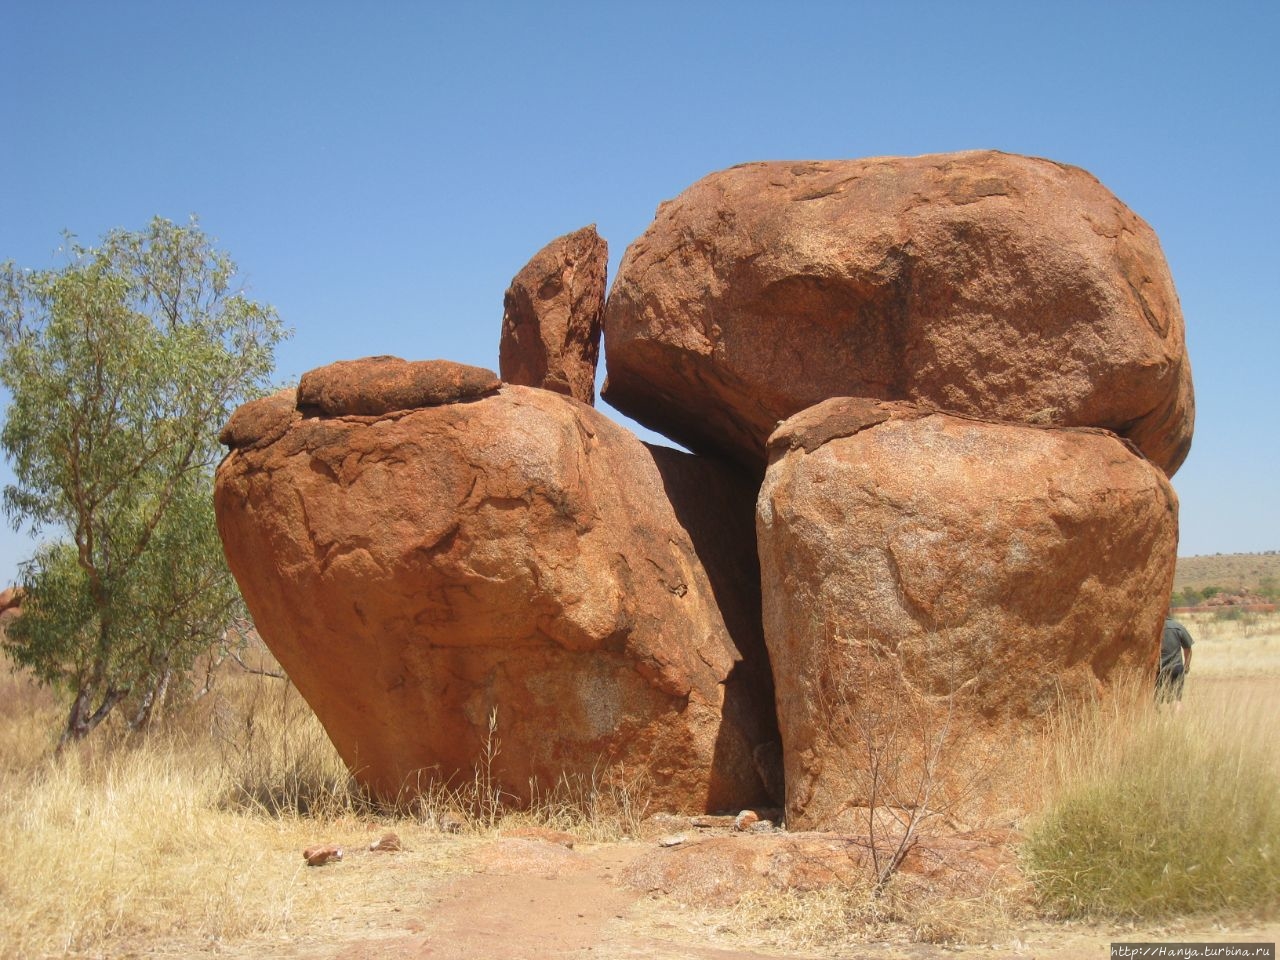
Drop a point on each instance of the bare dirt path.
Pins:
(533, 900)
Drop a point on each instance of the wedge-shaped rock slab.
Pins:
(997, 285)
(933, 584)
(514, 557)
(551, 317)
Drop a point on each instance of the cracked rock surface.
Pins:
(1005, 287)
(413, 571)
(551, 317)
(933, 582)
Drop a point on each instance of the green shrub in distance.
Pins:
(1174, 816)
(1236, 615)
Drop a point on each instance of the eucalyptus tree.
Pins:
(122, 364)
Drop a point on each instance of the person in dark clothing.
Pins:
(1175, 661)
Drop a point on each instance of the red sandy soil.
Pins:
(535, 900)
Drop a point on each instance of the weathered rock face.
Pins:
(261, 422)
(377, 385)
(995, 285)
(551, 317)
(931, 581)
(722, 871)
(416, 570)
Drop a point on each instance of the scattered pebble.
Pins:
(389, 843)
(316, 856)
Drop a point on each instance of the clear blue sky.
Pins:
(381, 170)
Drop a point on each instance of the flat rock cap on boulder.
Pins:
(375, 386)
(1000, 286)
(839, 417)
(842, 417)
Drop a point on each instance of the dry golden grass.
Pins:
(838, 920)
(191, 837)
(1247, 646)
(29, 721)
(137, 847)
(193, 834)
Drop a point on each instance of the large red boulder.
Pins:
(512, 556)
(996, 285)
(933, 584)
(551, 317)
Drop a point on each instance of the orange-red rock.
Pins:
(551, 317)
(378, 385)
(320, 855)
(262, 421)
(517, 557)
(12, 598)
(938, 581)
(991, 284)
(721, 871)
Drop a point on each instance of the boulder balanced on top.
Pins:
(989, 284)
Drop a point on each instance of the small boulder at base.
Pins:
(1006, 287)
(551, 317)
(934, 583)
(514, 578)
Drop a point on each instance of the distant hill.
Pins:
(1237, 572)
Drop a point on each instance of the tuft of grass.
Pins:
(594, 808)
(276, 758)
(830, 916)
(1161, 813)
(844, 917)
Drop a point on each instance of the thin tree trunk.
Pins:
(80, 722)
(153, 702)
(77, 718)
